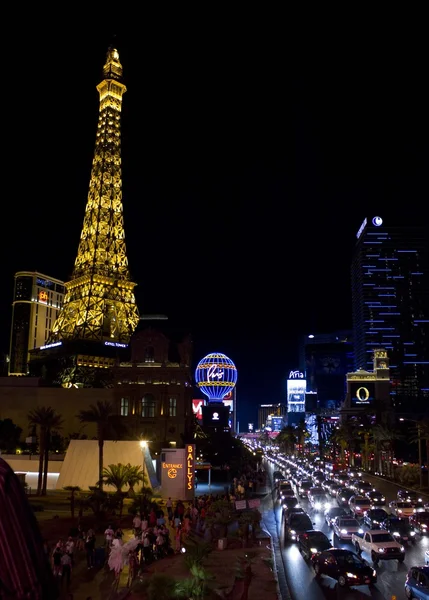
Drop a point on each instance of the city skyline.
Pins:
(241, 228)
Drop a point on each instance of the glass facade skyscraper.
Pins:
(390, 301)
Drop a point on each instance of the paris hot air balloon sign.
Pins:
(216, 376)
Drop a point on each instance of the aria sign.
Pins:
(296, 375)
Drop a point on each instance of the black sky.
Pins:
(248, 167)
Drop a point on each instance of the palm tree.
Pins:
(118, 476)
(303, 434)
(72, 489)
(384, 436)
(367, 448)
(105, 417)
(287, 438)
(134, 476)
(345, 437)
(45, 418)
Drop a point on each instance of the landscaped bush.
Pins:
(37, 507)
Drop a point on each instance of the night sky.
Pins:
(247, 170)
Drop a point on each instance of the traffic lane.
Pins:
(391, 575)
(300, 573)
(387, 488)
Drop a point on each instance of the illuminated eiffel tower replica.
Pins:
(99, 312)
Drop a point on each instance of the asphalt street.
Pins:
(390, 574)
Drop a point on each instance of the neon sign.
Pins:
(190, 466)
(296, 375)
(197, 408)
(43, 296)
(216, 376)
(362, 395)
(116, 344)
(214, 372)
(50, 345)
(215, 416)
(362, 227)
(377, 221)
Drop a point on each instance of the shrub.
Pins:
(37, 507)
(161, 587)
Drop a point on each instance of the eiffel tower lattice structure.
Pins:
(99, 306)
(99, 303)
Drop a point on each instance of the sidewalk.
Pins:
(270, 523)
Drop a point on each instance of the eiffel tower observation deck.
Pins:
(99, 312)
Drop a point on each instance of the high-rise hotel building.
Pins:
(37, 299)
(390, 301)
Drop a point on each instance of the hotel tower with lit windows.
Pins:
(390, 302)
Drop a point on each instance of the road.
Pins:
(390, 574)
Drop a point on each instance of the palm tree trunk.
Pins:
(41, 458)
(100, 460)
(46, 465)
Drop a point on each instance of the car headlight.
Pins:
(396, 533)
(343, 531)
(360, 530)
(313, 550)
(419, 500)
(375, 522)
(343, 499)
(351, 575)
(317, 505)
(374, 573)
(399, 510)
(414, 510)
(412, 533)
(293, 532)
(382, 550)
(402, 549)
(424, 526)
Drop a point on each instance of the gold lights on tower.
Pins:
(99, 303)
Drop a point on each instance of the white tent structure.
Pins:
(80, 466)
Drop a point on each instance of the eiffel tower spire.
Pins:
(99, 304)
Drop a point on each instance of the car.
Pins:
(400, 528)
(359, 505)
(335, 511)
(303, 487)
(285, 493)
(344, 527)
(420, 522)
(373, 517)
(379, 544)
(296, 509)
(315, 491)
(297, 523)
(345, 566)
(426, 557)
(277, 475)
(319, 502)
(417, 583)
(289, 502)
(313, 542)
(408, 496)
(333, 489)
(342, 479)
(354, 473)
(283, 487)
(401, 509)
(364, 487)
(343, 497)
(376, 498)
(418, 507)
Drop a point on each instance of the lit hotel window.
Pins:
(148, 406)
(172, 409)
(125, 402)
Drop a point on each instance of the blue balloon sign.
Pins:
(216, 376)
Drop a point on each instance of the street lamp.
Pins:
(143, 446)
(419, 440)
